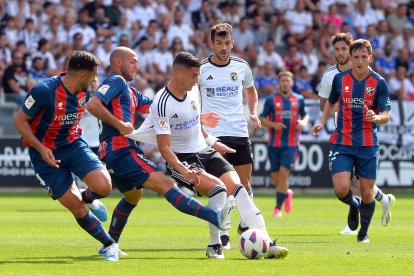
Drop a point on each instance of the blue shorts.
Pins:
(347, 158)
(76, 157)
(129, 168)
(284, 156)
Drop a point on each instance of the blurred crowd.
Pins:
(37, 37)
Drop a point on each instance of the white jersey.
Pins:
(175, 117)
(221, 90)
(326, 82)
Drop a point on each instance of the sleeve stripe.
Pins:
(162, 103)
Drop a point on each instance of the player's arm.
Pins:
(21, 122)
(326, 114)
(216, 144)
(99, 110)
(164, 146)
(252, 102)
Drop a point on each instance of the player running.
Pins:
(340, 43)
(48, 122)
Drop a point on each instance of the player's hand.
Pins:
(370, 115)
(279, 126)
(126, 128)
(222, 148)
(300, 126)
(255, 121)
(192, 177)
(316, 129)
(48, 157)
(210, 119)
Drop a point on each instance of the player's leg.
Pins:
(161, 184)
(87, 166)
(341, 163)
(387, 201)
(354, 182)
(274, 159)
(366, 168)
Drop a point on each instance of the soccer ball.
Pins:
(253, 244)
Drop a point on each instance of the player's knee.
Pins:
(79, 211)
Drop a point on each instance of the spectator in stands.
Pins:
(266, 81)
(298, 22)
(244, 37)
(113, 12)
(282, 6)
(182, 30)
(101, 24)
(292, 59)
(30, 35)
(269, 55)
(260, 33)
(317, 78)
(12, 32)
(5, 54)
(403, 58)
(38, 72)
(308, 56)
(93, 6)
(123, 29)
(77, 44)
(103, 51)
(66, 31)
(88, 33)
(303, 84)
(347, 19)
(52, 35)
(325, 43)
(16, 80)
(162, 60)
(152, 32)
(405, 39)
(332, 17)
(144, 12)
(371, 36)
(176, 46)
(377, 11)
(362, 18)
(397, 19)
(43, 51)
(400, 87)
(383, 33)
(124, 41)
(201, 18)
(386, 63)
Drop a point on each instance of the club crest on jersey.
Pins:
(29, 102)
(82, 102)
(370, 90)
(104, 88)
(233, 76)
(210, 92)
(194, 105)
(163, 123)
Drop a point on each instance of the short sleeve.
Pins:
(266, 107)
(36, 100)
(333, 96)
(110, 89)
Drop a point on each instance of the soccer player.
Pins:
(284, 115)
(222, 81)
(48, 122)
(114, 104)
(358, 91)
(340, 43)
(175, 120)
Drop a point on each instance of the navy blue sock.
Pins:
(120, 218)
(94, 227)
(88, 196)
(349, 199)
(366, 211)
(191, 206)
(280, 198)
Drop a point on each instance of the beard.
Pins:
(343, 62)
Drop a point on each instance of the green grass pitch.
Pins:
(39, 237)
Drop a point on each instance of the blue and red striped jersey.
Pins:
(353, 95)
(287, 111)
(55, 112)
(122, 101)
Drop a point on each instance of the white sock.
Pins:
(217, 199)
(380, 196)
(249, 213)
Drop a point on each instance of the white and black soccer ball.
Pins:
(253, 244)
